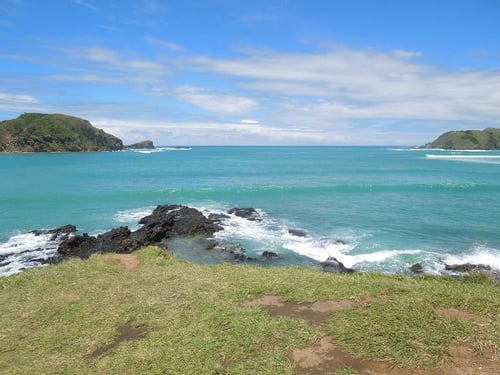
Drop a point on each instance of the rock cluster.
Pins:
(165, 221)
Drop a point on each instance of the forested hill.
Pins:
(487, 139)
(36, 132)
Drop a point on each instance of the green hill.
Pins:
(487, 139)
(36, 132)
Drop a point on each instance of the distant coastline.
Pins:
(467, 140)
(37, 132)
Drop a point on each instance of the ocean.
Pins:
(372, 208)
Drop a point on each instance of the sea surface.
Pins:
(373, 208)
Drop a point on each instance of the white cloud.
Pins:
(163, 43)
(203, 133)
(357, 84)
(248, 121)
(17, 98)
(221, 103)
(113, 59)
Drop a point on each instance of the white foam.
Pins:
(480, 255)
(320, 249)
(21, 251)
(25, 242)
(456, 156)
(134, 215)
(236, 227)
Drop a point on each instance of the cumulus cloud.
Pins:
(367, 83)
(221, 103)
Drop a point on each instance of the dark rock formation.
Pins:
(459, 270)
(417, 268)
(297, 232)
(467, 267)
(246, 213)
(236, 250)
(269, 255)
(178, 220)
(165, 222)
(57, 233)
(81, 246)
(144, 145)
(334, 265)
(217, 218)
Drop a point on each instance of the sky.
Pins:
(255, 72)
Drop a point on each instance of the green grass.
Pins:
(52, 319)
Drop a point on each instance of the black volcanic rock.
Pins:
(297, 232)
(417, 268)
(334, 265)
(248, 213)
(165, 221)
(57, 233)
(269, 255)
(81, 246)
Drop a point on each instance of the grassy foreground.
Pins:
(191, 319)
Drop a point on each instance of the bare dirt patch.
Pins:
(316, 313)
(466, 362)
(125, 332)
(455, 313)
(324, 356)
(127, 261)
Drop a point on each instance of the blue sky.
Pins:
(273, 72)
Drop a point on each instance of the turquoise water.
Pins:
(389, 207)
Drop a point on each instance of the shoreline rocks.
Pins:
(164, 222)
(168, 223)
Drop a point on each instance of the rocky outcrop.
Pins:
(460, 270)
(165, 221)
(297, 232)
(57, 233)
(144, 145)
(334, 265)
(417, 268)
(246, 213)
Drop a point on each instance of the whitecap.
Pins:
(480, 254)
(133, 216)
(26, 250)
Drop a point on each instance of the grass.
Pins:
(53, 319)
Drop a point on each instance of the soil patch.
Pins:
(324, 356)
(465, 362)
(127, 261)
(455, 313)
(316, 313)
(125, 332)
